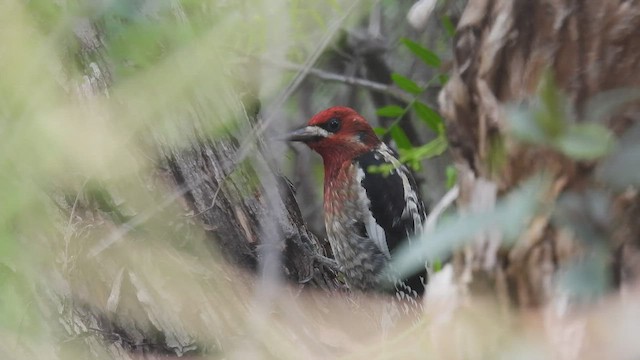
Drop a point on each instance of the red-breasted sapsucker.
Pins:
(367, 213)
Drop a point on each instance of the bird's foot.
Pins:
(328, 262)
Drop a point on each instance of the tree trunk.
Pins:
(502, 50)
(233, 208)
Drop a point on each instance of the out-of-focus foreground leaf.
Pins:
(508, 218)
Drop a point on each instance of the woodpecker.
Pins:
(367, 213)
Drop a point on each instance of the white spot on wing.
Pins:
(410, 197)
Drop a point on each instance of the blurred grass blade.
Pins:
(509, 217)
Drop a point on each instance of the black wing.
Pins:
(386, 192)
(389, 199)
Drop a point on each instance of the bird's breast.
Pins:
(360, 258)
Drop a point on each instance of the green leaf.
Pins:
(620, 169)
(497, 153)
(443, 79)
(427, 56)
(406, 84)
(430, 117)
(585, 141)
(572, 208)
(586, 278)
(448, 26)
(380, 131)
(523, 124)
(605, 104)
(391, 111)
(452, 176)
(384, 169)
(552, 117)
(433, 148)
(545, 119)
(437, 265)
(401, 139)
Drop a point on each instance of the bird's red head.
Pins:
(338, 134)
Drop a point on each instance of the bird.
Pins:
(368, 213)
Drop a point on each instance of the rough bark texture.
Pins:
(230, 199)
(502, 48)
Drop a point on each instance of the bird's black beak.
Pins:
(307, 134)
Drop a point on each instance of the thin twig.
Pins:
(440, 207)
(213, 201)
(138, 220)
(349, 80)
(247, 145)
(67, 231)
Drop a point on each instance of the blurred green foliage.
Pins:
(87, 88)
(620, 169)
(509, 218)
(551, 120)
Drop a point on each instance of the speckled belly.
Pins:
(358, 256)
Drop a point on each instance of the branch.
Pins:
(349, 80)
(440, 207)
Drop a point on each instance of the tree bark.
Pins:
(231, 200)
(502, 49)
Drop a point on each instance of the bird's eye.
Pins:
(333, 125)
